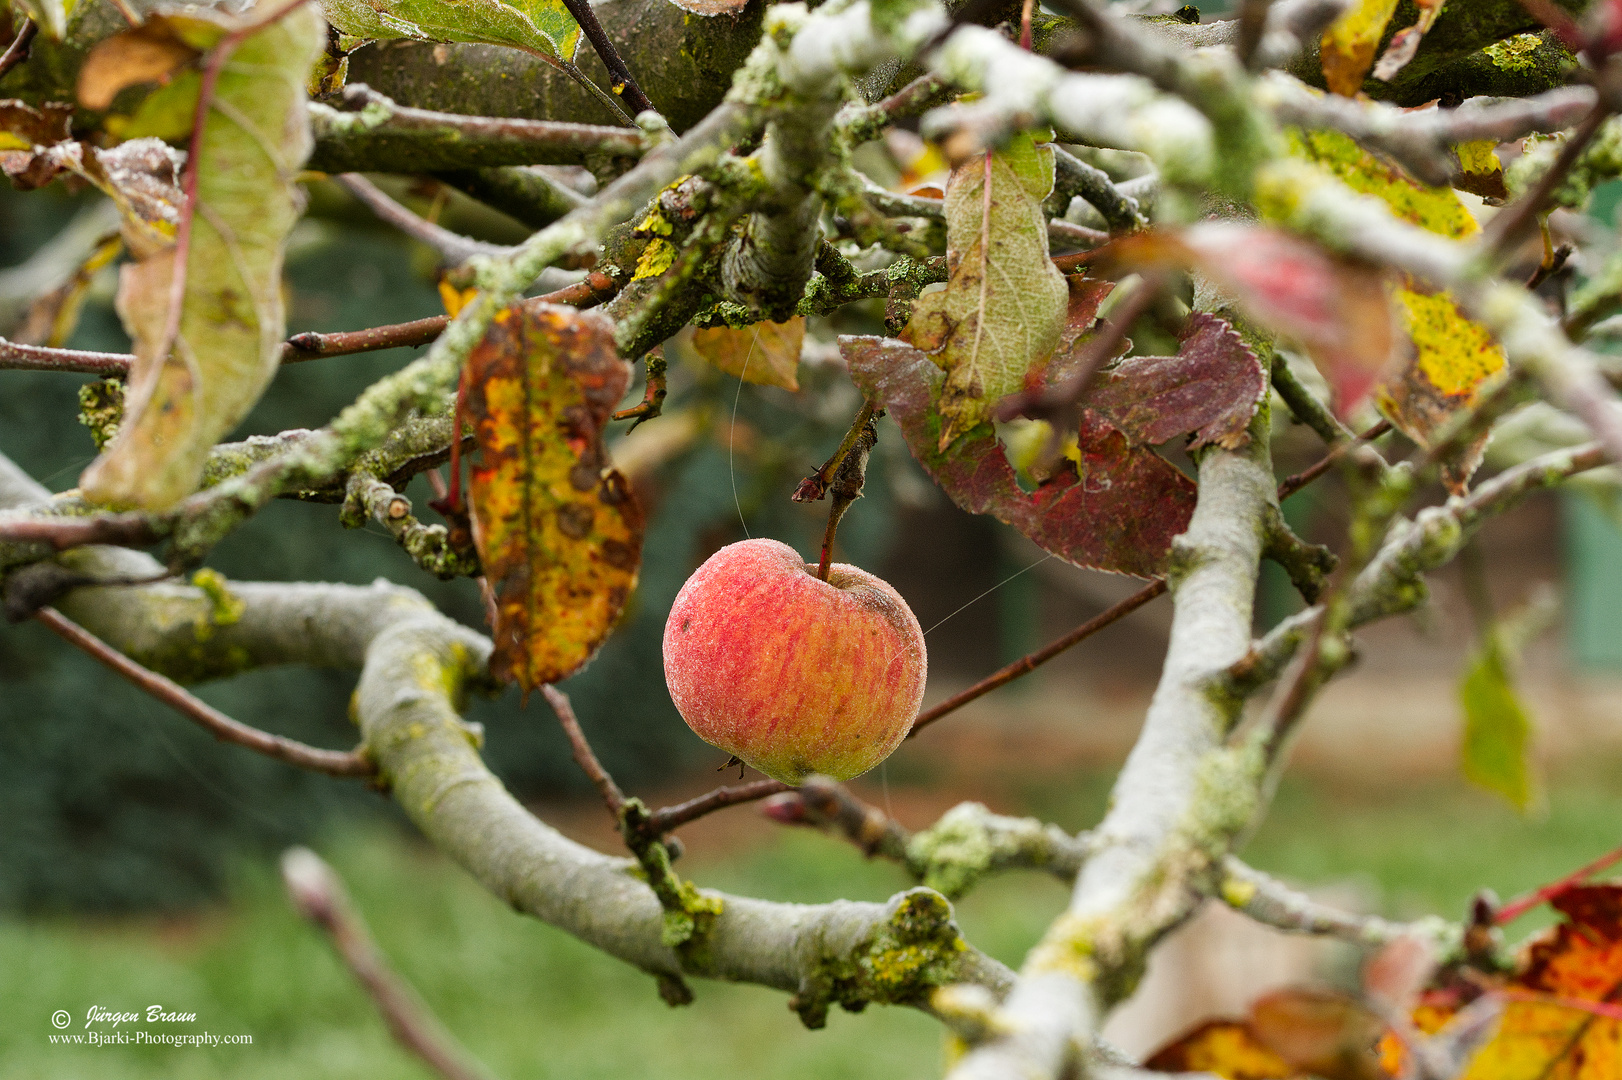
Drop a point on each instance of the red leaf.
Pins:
(1120, 513)
(1212, 388)
(1336, 308)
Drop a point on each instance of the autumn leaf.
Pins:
(1210, 389)
(1117, 510)
(1480, 170)
(1224, 1048)
(151, 52)
(1347, 49)
(767, 353)
(1336, 308)
(1405, 42)
(1452, 358)
(558, 530)
(1552, 1027)
(536, 26)
(1004, 303)
(185, 393)
(1321, 1033)
(23, 127)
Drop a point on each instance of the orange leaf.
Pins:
(1580, 961)
(766, 353)
(1225, 1048)
(1319, 1032)
(557, 528)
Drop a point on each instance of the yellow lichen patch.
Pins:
(1480, 156)
(1237, 893)
(1519, 53)
(656, 258)
(1068, 948)
(1438, 210)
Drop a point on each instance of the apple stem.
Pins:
(815, 486)
(849, 474)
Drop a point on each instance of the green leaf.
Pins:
(1498, 729)
(184, 399)
(1004, 305)
(50, 15)
(538, 26)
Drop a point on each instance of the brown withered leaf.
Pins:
(1224, 1048)
(558, 530)
(23, 127)
(1210, 389)
(1336, 308)
(151, 52)
(1118, 509)
(767, 353)
(1319, 1032)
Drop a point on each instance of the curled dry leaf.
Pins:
(767, 353)
(1348, 46)
(1405, 43)
(1224, 1048)
(1003, 307)
(535, 26)
(1336, 308)
(1118, 510)
(151, 52)
(23, 127)
(185, 394)
(558, 530)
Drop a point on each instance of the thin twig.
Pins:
(613, 797)
(319, 896)
(624, 83)
(124, 530)
(671, 817)
(216, 723)
(1292, 484)
(19, 357)
(821, 803)
(453, 248)
(1270, 901)
(1522, 904)
(1026, 664)
(1511, 225)
(19, 48)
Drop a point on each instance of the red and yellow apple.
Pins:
(791, 674)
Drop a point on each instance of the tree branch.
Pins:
(1270, 901)
(453, 248)
(380, 135)
(210, 719)
(319, 896)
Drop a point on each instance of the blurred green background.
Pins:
(137, 857)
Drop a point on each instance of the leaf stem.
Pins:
(624, 82)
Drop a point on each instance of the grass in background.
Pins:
(533, 1003)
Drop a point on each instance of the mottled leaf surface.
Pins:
(1451, 358)
(1004, 304)
(538, 26)
(183, 398)
(1224, 1048)
(23, 127)
(558, 530)
(1118, 511)
(767, 353)
(1211, 388)
(1347, 49)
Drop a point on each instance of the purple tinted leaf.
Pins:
(1119, 510)
(1211, 388)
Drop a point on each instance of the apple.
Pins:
(791, 674)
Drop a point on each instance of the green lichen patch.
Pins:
(915, 950)
(101, 409)
(224, 606)
(1518, 54)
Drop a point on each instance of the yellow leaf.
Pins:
(1349, 43)
(767, 353)
(455, 299)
